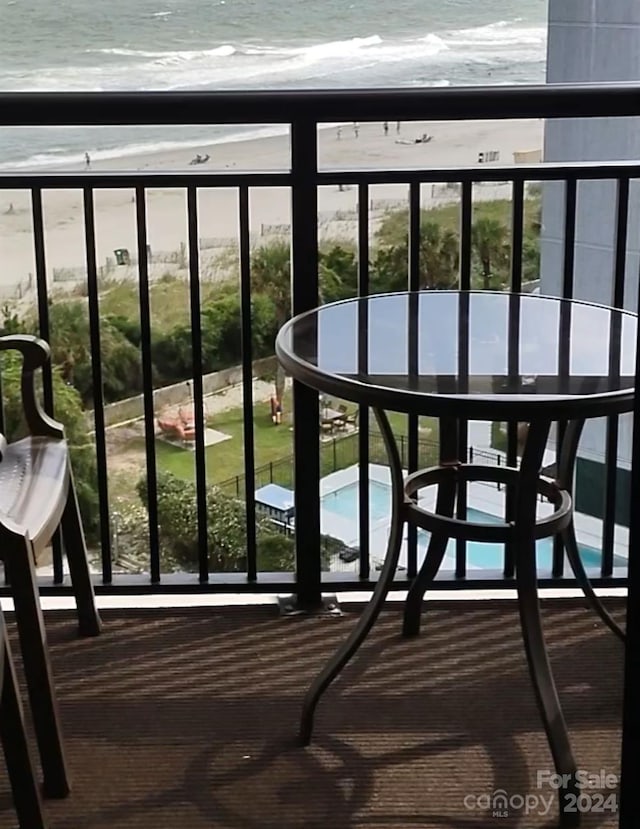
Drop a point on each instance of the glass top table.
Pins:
(474, 355)
(495, 355)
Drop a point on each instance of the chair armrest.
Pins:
(35, 353)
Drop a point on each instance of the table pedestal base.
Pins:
(521, 534)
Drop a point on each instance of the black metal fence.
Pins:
(343, 451)
(302, 112)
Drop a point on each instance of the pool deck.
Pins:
(486, 498)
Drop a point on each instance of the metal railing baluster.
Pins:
(413, 335)
(306, 410)
(147, 385)
(96, 378)
(198, 397)
(466, 208)
(364, 511)
(513, 357)
(45, 332)
(247, 383)
(613, 422)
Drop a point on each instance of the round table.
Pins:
(473, 355)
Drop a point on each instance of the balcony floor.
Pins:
(188, 718)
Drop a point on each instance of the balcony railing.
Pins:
(303, 112)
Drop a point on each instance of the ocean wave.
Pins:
(336, 48)
(176, 56)
(500, 34)
(361, 60)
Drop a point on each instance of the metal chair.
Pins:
(37, 495)
(26, 794)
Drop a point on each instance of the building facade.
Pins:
(593, 41)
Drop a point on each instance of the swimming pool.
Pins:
(344, 503)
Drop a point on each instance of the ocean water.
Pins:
(249, 44)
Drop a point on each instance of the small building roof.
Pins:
(275, 497)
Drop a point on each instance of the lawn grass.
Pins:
(225, 460)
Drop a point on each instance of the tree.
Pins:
(221, 325)
(390, 269)
(271, 275)
(11, 322)
(129, 328)
(439, 252)
(490, 245)
(178, 524)
(337, 272)
(439, 256)
(70, 343)
(71, 350)
(438, 261)
(531, 257)
(226, 530)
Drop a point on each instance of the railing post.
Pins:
(335, 460)
(306, 411)
(630, 760)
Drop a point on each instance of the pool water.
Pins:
(344, 502)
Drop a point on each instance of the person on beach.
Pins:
(385, 127)
(356, 129)
(339, 133)
(87, 161)
(397, 126)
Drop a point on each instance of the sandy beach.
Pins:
(452, 144)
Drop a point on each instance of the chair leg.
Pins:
(37, 669)
(76, 549)
(26, 794)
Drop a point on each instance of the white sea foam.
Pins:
(500, 34)
(178, 56)
(280, 63)
(338, 48)
(435, 43)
